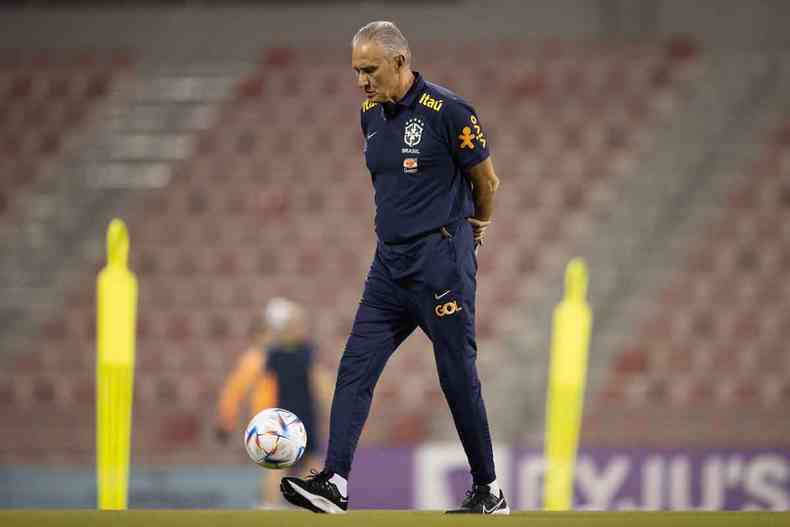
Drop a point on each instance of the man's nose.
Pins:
(362, 80)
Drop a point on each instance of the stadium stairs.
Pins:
(139, 128)
(703, 359)
(50, 109)
(715, 129)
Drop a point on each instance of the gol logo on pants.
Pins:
(450, 308)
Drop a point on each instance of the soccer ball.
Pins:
(275, 438)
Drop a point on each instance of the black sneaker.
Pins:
(479, 500)
(315, 493)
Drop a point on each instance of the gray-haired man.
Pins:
(434, 184)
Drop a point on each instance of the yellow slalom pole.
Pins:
(116, 317)
(567, 372)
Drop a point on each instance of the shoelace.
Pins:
(321, 477)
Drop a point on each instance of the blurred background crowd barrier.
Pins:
(651, 138)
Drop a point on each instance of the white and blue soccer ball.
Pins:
(275, 438)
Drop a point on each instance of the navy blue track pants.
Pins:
(430, 283)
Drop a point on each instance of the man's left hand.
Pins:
(479, 227)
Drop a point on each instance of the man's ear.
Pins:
(400, 61)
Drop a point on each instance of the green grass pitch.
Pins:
(208, 518)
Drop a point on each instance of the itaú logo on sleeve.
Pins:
(447, 309)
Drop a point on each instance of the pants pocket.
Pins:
(442, 271)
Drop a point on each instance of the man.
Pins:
(277, 370)
(434, 185)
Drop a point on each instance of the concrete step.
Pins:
(144, 128)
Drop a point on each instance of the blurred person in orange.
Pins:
(277, 370)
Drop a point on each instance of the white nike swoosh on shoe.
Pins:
(319, 501)
(437, 297)
(494, 508)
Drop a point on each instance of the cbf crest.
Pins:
(412, 132)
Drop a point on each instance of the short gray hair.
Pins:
(387, 35)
